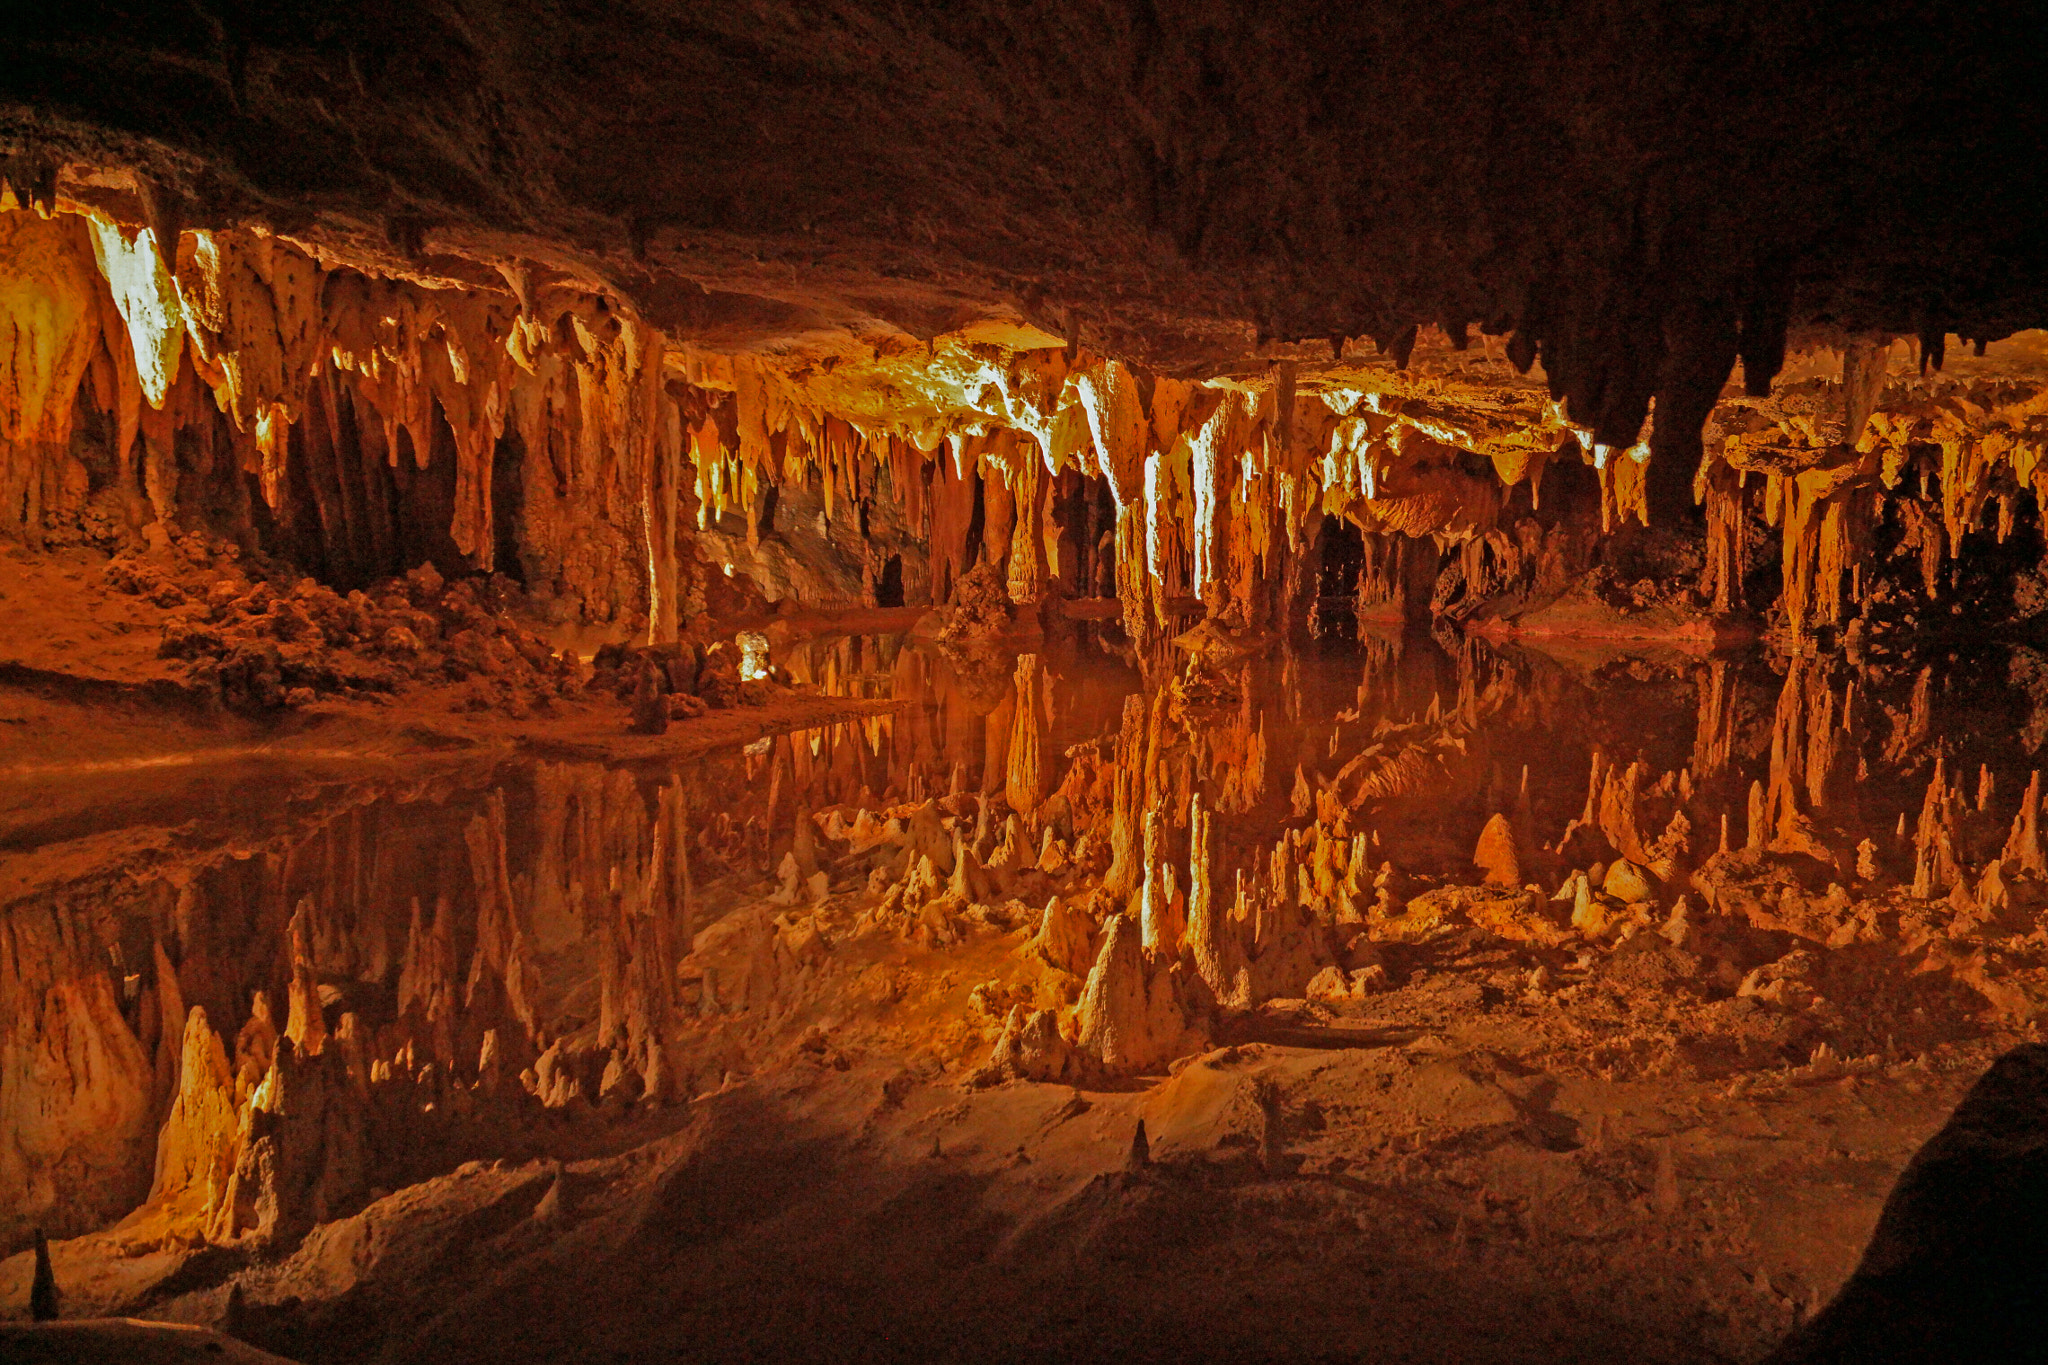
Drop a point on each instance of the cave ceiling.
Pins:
(1200, 189)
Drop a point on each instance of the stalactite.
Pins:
(1726, 558)
(1714, 742)
(1029, 566)
(999, 521)
(952, 514)
(49, 324)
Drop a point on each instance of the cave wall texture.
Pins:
(1112, 299)
(1635, 195)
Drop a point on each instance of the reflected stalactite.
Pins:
(575, 944)
(1026, 781)
(1805, 734)
(1719, 704)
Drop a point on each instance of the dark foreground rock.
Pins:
(124, 1341)
(1958, 1267)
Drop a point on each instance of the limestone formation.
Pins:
(304, 1022)
(1130, 1016)
(77, 1085)
(1031, 1047)
(196, 1151)
(598, 603)
(1065, 938)
(1496, 858)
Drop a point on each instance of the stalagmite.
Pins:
(1212, 930)
(1616, 815)
(1065, 938)
(1588, 917)
(1495, 857)
(2023, 848)
(1935, 865)
(304, 1023)
(255, 1047)
(1991, 894)
(195, 1152)
(1126, 869)
(171, 1017)
(1031, 1047)
(1162, 913)
(1130, 1016)
(1025, 785)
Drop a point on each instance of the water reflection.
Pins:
(438, 953)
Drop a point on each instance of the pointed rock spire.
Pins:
(1495, 857)
(1141, 1150)
(42, 1294)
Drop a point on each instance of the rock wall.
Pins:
(356, 418)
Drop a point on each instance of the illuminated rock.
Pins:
(196, 1151)
(1130, 1016)
(1495, 856)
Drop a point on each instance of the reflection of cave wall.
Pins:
(1083, 510)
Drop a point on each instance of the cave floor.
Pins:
(1579, 1143)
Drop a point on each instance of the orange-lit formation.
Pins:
(1244, 682)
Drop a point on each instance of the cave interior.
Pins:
(1131, 679)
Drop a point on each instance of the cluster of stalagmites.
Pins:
(1158, 959)
(287, 1131)
(385, 1062)
(1133, 947)
(1760, 917)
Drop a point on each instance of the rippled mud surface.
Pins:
(1475, 1002)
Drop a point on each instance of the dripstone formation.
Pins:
(794, 676)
